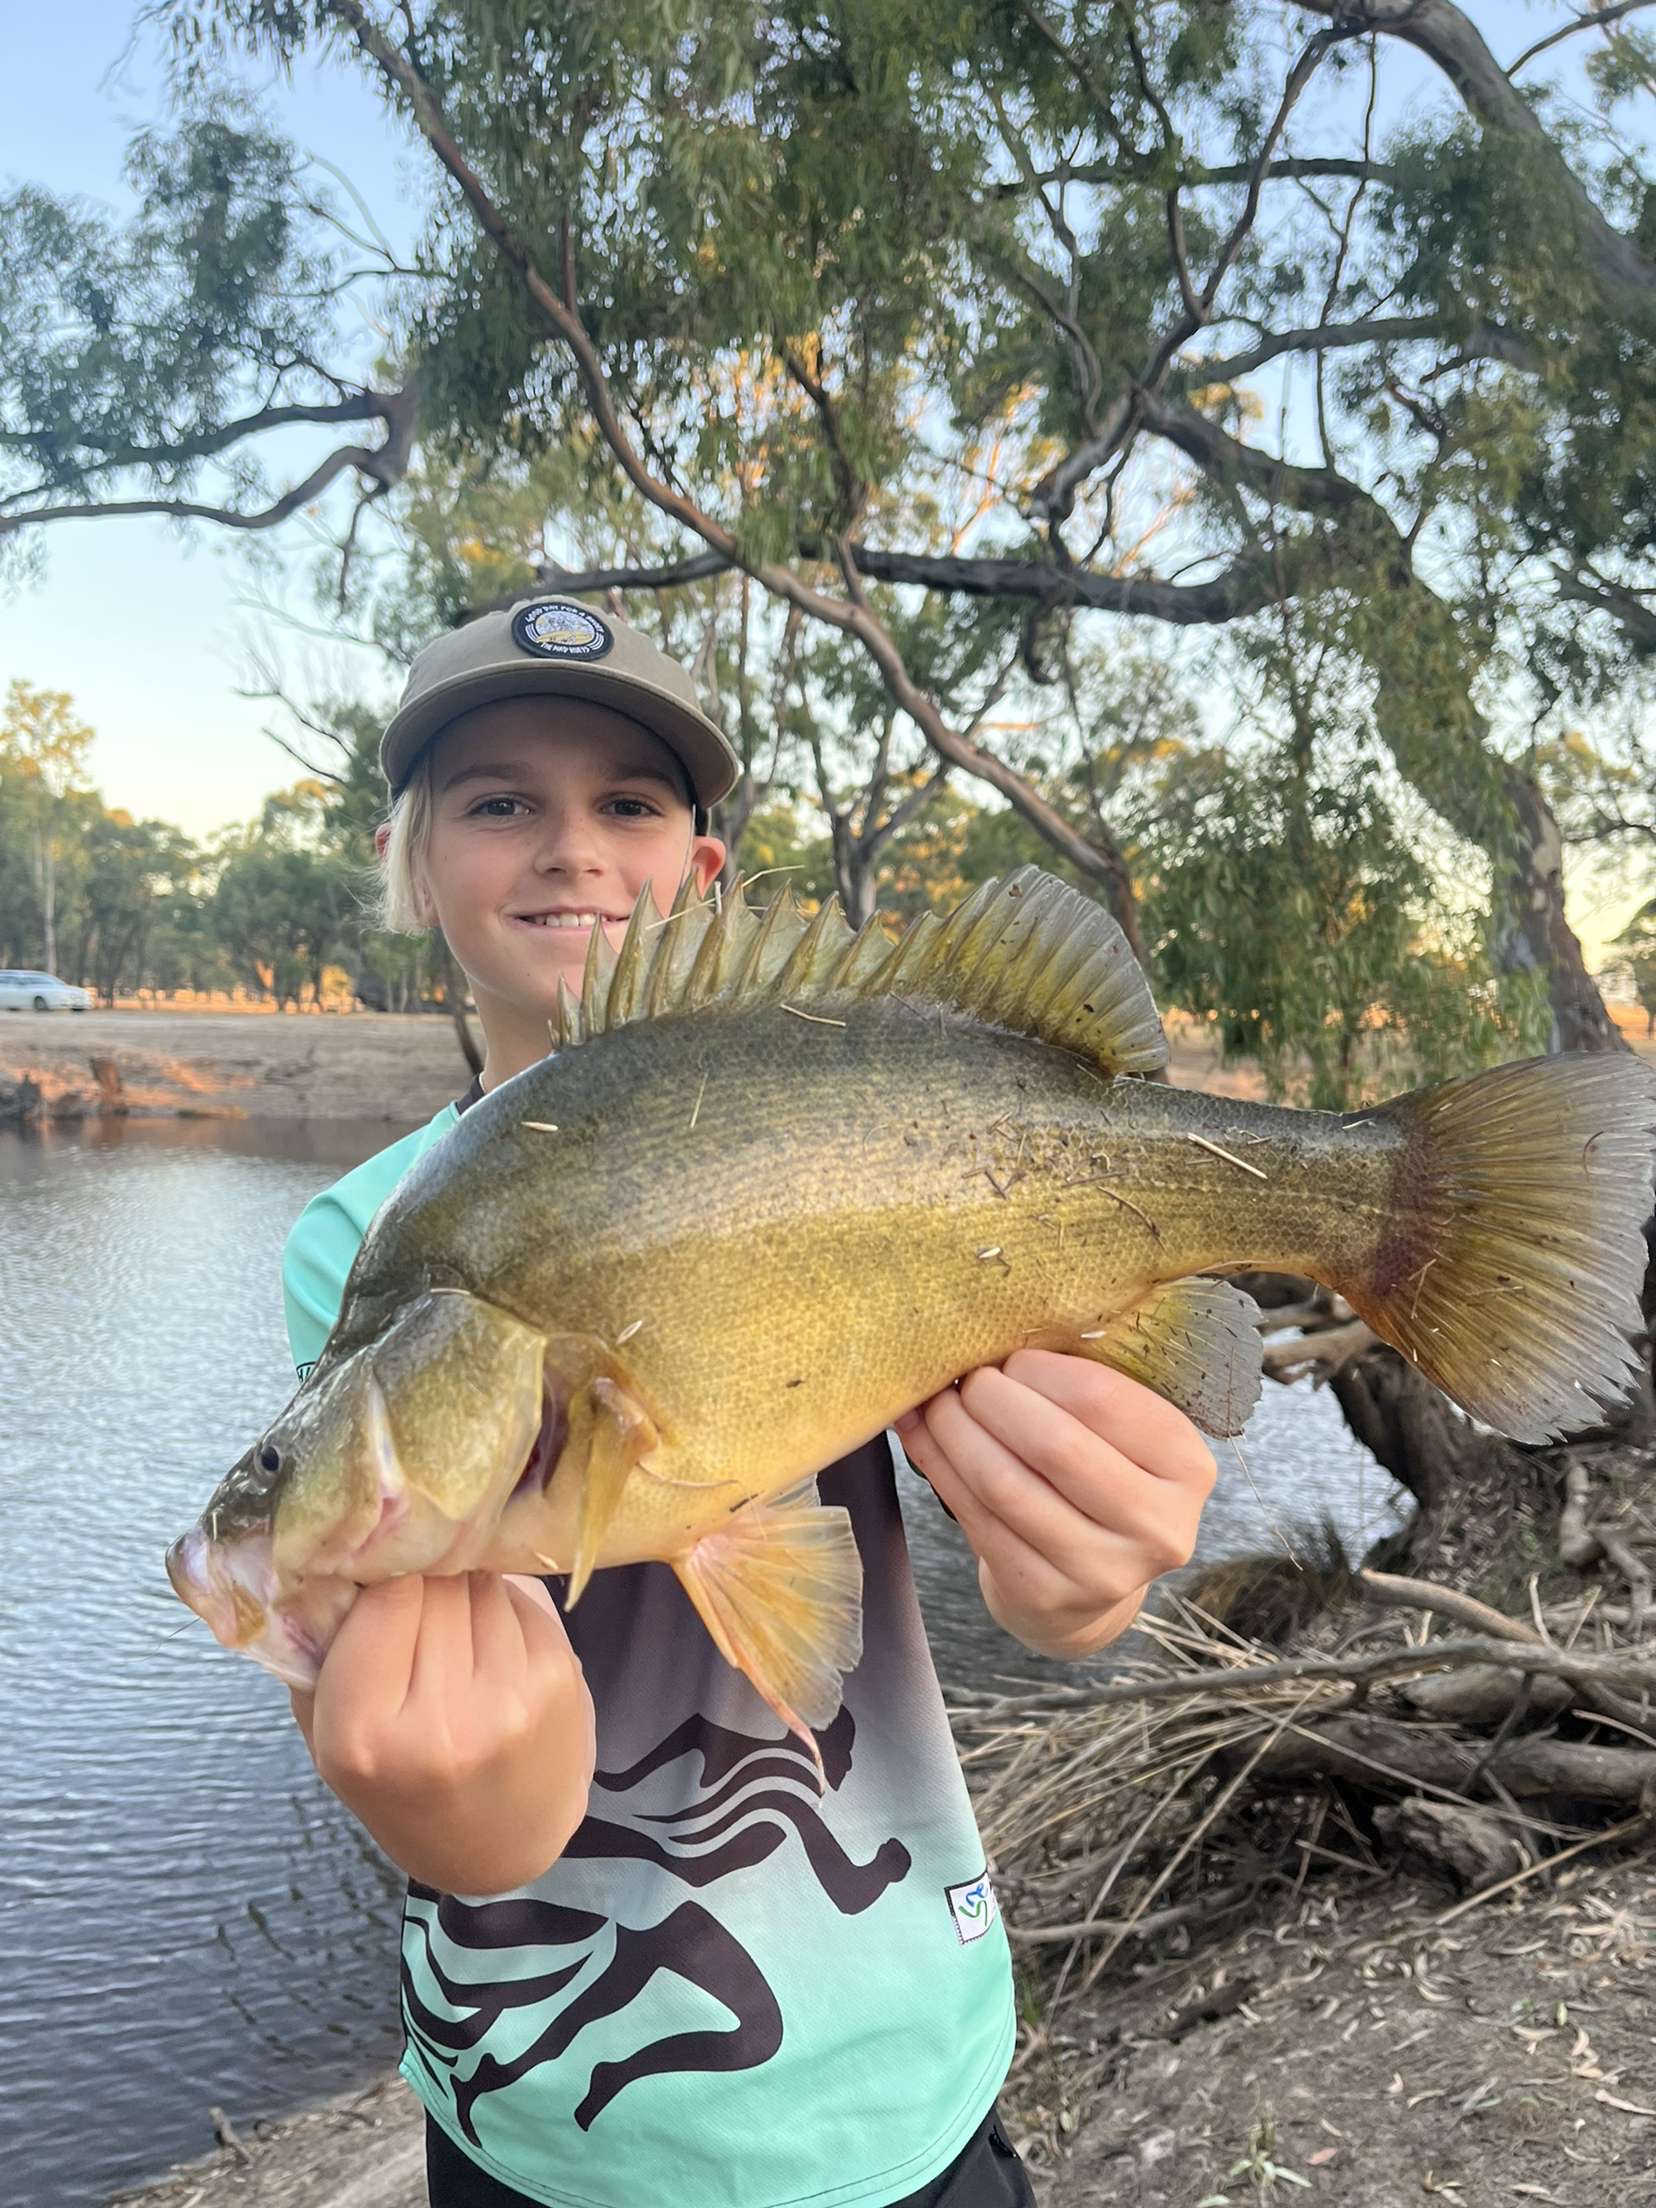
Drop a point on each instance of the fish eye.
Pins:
(270, 1458)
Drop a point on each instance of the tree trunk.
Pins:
(1539, 937)
(855, 864)
(45, 869)
(464, 1036)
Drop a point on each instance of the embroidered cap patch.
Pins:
(972, 1906)
(557, 629)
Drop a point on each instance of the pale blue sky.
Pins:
(151, 628)
(145, 625)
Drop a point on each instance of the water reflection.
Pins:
(189, 1918)
(339, 1143)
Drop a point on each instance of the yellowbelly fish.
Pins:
(778, 1182)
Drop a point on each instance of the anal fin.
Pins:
(779, 1587)
(1195, 1342)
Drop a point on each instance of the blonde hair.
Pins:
(403, 901)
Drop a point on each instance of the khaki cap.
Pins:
(554, 648)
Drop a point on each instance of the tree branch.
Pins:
(1626, 607)
(1486, 341)
(382, 465)
(365, 406)
(1599, 19)
(1294, 169)
(1448, 38)
(1248, 586)
(1584, 1668)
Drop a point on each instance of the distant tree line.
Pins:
(123, 906)
(1372, 963)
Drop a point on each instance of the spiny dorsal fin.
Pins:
(1028, 953)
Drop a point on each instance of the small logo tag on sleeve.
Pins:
(972, 1907)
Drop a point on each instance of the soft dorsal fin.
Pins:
(1028, 953)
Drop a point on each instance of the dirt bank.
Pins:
(352, 1066)
(1358, 2046)
(247, 1065)
(361, 1065)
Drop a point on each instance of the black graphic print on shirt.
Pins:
(753, 1793)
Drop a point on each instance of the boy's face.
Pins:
(550, 816)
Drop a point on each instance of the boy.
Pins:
(643, 1960)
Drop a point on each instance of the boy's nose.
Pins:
(568, 848)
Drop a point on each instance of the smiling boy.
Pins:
(643, 1960)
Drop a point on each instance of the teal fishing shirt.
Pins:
(729, 1991)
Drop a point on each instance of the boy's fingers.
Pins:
(442, 1652)
(1035, 1431)
(1016, 1495)
(1154, 1434)
(545, 1639)
(499, 1653)
(373, 1652)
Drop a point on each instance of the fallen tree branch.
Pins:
(1144, 1927)
(1397, 1592)
(1521, 1652)
(1322, 1354)
(1360, 1746)
(1392, 1589)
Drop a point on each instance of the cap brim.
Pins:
(707, 758)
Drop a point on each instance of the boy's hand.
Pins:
(451, 1716)
(1074, 1485)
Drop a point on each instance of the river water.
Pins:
(187, 1917)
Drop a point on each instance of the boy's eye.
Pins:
(484, 808)
(635, 808)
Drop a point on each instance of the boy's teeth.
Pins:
(561, 919)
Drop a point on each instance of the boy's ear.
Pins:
(707, 858)
(382, 836)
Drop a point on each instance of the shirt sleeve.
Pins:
(315, 1262)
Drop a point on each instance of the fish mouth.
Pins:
(230, 1584)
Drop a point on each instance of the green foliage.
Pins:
(1297, 919)
(128, 346)
(1637, 944)
(869, 273)
(122, 905)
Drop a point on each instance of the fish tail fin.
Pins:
(1512, 1250)
(779, 1587)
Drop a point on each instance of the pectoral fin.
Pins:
(779, 1587)
(1193, 1341)
(608, 1433)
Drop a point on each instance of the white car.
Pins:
(22, 989)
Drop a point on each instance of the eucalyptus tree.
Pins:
(1161, 311)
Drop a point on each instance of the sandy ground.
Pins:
(350, 1066)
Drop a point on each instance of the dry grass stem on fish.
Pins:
(1229, 1155)
(903, 1182)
